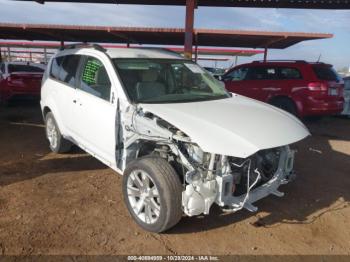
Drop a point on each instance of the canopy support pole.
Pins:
(45, 56)
(9, 54)
(265, 54)
(189, 24)
(0, 55)
(196, 49)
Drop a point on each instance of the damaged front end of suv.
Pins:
(231, 180)
(189, 144)
(235, 183)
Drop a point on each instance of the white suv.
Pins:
(179, 138)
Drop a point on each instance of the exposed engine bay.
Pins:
(231, 182)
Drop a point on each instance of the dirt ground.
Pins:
(72, 204)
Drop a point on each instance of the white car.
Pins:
(346, 110)
(181, 141)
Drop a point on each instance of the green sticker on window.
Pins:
(90, 70)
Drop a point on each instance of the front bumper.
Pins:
(282, 176)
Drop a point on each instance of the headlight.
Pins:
(196, 154)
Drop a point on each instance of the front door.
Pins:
(95, 110)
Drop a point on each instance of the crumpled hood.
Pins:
(236, 126)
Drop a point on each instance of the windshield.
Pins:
(167, 81)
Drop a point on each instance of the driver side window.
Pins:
(238, 74)
(94, 79)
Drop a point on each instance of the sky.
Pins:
(335, 51)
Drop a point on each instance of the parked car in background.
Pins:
(177, 136)
(20, 80)
(346, 96)
(301, 88)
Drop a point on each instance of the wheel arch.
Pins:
(297, 105)
(50, 107)
(46, 110)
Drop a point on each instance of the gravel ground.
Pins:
(72, 204)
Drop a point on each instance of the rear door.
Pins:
(95, 108)
(254, 81)
(62, 83)
(262, 82)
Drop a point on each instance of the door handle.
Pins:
(74, 101)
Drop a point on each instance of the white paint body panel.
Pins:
(346, 110)
(236, 126)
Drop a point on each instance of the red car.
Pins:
(20, 79)
(299, 87)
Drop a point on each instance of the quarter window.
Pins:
(56, 66)
(326, 73)
(94, 79)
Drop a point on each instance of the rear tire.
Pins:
(57, 142)
(153, 193)
(285, 104)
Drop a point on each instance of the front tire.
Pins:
(57, 142)
(152, 193)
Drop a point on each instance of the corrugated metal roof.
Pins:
(201, 51)
(154, 36)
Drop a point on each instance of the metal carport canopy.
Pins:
(154, 36)
(201, 51)
(312, 4)
(192, 4)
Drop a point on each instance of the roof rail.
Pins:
(281, 60)
(158, 48)
(84, 45)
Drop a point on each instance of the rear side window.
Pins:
(13, 68)
(262, 73)
(68, 69)
(325, 73)
(290, 73)
(56, 66)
